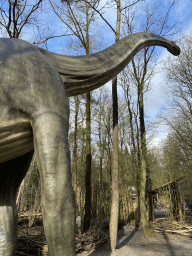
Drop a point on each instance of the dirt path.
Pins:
(131, 242)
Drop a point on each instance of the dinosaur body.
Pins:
(34, 111)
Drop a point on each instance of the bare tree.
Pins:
(140, 73)
(179, 78)
(129, 93)
(115, 154)
(78, 17)
(17, 14)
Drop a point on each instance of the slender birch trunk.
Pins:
(113, 227)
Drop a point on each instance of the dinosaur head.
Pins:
(173, 48)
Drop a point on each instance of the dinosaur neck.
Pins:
(88, 72)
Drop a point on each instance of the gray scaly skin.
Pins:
(34, 111)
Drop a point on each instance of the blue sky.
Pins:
(157, 98)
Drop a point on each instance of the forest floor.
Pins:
(168, 238)
(131, 242)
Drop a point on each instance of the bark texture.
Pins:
(113, 227)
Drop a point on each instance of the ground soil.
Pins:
(131, 242)
(168, 238)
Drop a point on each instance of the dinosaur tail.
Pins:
(88, 72)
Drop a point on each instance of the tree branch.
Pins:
(9, 22)
(34, 8)
(128, 6)
(24, 5)
(166, 17)
(50, 37)
(63, 20)
(77, 26)
(101, 16)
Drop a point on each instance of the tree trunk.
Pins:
(87, 218)
(100, 171)
(149, 196)
(151, 207)
(75, 144)
(135, 160)
(138, 177)
(144, 220)
(115, 169)
(115, 174)
(94, 200)
(20, 194)
(178, 201)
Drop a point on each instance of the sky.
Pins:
(155, 99)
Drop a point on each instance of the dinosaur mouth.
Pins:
(174, 49)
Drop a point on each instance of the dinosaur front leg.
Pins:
(11, 174)
(58, 204)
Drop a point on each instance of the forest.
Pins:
(121, 152)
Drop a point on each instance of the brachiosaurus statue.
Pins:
(34, 112)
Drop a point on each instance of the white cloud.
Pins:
(156, 142)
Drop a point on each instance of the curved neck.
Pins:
(88, 72)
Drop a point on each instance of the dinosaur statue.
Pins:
(34, 112)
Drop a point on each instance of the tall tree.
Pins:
(134, 131)
(78, 17)
(74, 165)
(87, 217)
(179, 115)
(115, 154)
(179, 77)
(140, 73)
